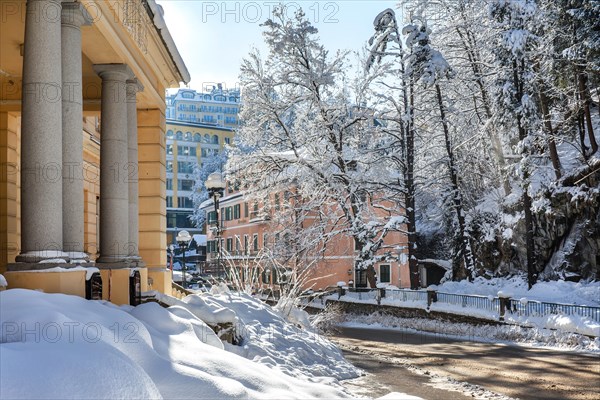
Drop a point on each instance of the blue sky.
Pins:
(214, 36)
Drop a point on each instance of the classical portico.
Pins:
(64, 65)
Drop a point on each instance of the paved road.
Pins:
(434, 367)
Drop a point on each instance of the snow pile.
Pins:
(269, 339)
(3, 281)
(60, 346)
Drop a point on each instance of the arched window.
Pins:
(169, 134)
(206, 138)
(232, 98)
(197, 137)
(179, 135)
(207, 97)
(188, 136)
(215, 139)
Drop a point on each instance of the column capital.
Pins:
(75, 14)
(133, 87)
(113, 72)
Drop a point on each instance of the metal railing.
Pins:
(406, 295)
(533, 308)
(470, 301)
(499, 306)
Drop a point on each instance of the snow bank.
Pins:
(269, 339)
(60, 346)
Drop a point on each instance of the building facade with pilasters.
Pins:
(82, 144)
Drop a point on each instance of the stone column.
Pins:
(41, 134)
(133, 87)
(114, 187)
(73, 16)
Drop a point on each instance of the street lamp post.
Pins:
(171, 251)
(216, 188)
(183, 239)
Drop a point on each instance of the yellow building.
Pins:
(188, 144)
(82, 144)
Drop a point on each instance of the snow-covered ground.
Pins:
(60, 346)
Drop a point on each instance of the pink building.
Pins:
(249, 232)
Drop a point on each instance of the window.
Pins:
(211, 217)
(265, 242)
(266, 276)
(179, 135)
(384, 273)
(169, 134)
(246, 244)
(237, 243)
(192, 151)
(228, 214)
(229, 245)
(211, 246)
(188, 136)
(277, 201)
(169, 201)
(169, 149)
(255, 242)
(185, 167)
(203, 152)
(185, 202)
(179, 219)
(215, 139)
(255, 210)
(236, 211)
(246, 210)
(169, 184)
(206, 138)
(227, 140)
(169, 166)
(197, 137)
(185, 184)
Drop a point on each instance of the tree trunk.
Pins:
(585, 98)
(548, 124)
(409, 181)
(466, 268)
(529, 228)
(581, 131)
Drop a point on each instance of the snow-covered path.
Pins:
(435, 364)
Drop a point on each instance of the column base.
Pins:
(78, 256)
(112, 262)
(43, 255)
(39, 266)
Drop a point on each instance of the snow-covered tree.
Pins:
(311, 131)
(398, 110)
(429, 67)
(515, 49)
